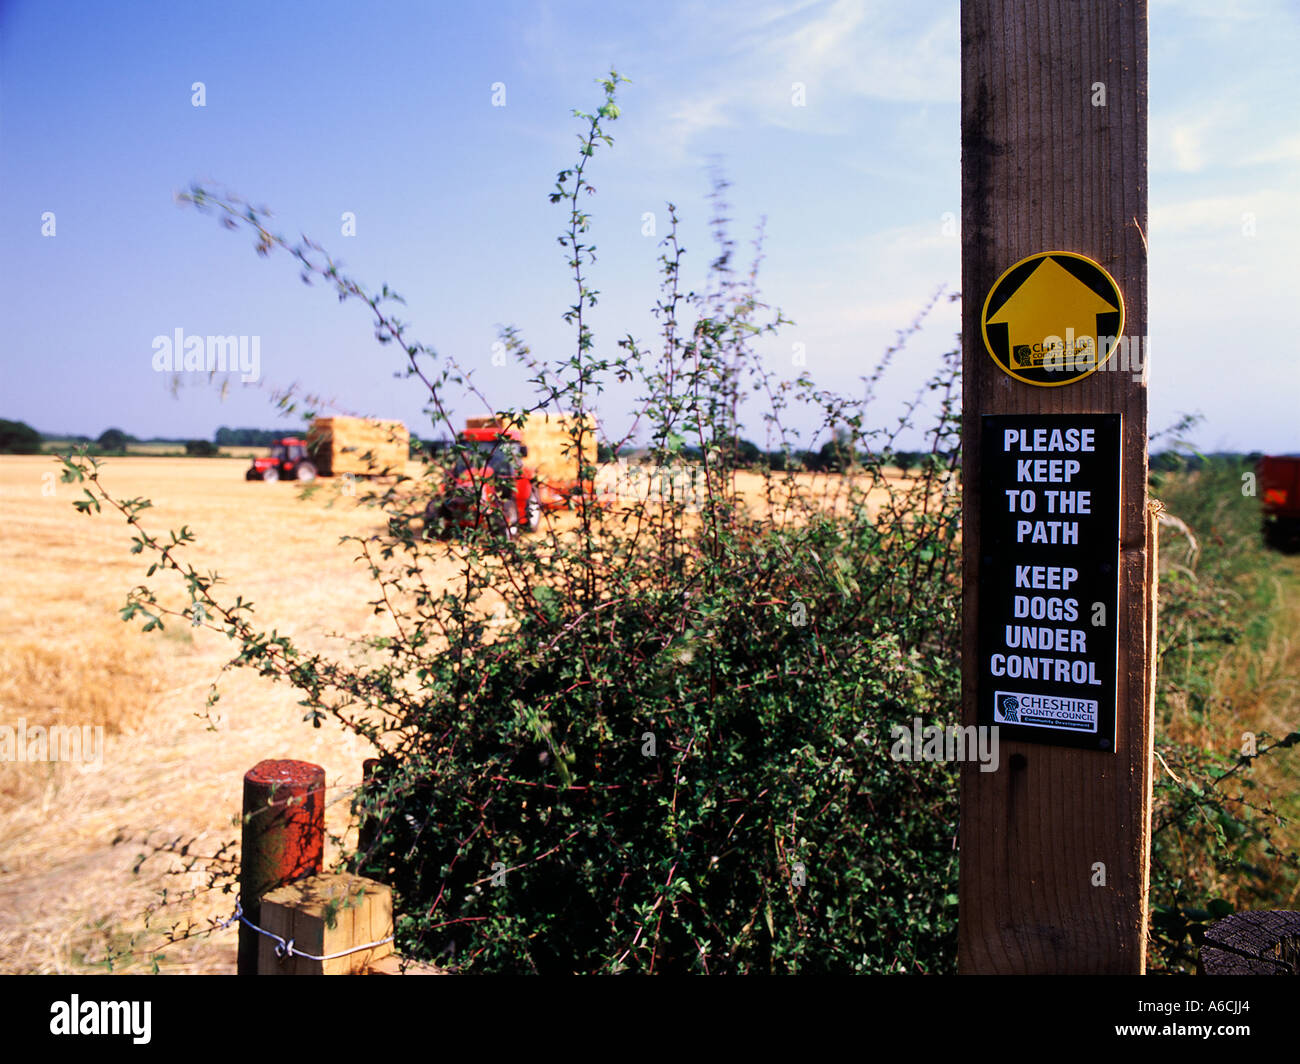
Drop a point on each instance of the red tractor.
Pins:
(487, 485)
(289, 459)
(1279, 489)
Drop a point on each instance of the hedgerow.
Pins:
(655, 736)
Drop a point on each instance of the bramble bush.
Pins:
(652, 737)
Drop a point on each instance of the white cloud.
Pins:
(1223, 11)
(1223, 214)
(842, 52)
(1185, 142)
(1284, 149)
(1195, 138)
(1212, 212)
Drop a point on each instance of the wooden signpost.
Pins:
(1059, 545)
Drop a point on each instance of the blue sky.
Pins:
(386, 111)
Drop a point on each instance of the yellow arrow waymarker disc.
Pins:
(1053, 318)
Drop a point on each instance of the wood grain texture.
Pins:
(1043, 169)
(300, 912)
(1265, 942)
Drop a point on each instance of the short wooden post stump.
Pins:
(1252, 943)
(326, 914)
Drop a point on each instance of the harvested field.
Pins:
(70, 834)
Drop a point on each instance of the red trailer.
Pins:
(1279, 491)
(488, 484)
(506, 478)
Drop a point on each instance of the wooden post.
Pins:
(283, 838)
(1055, 843)
(368, 824)
(1252, 943)
(323, 915)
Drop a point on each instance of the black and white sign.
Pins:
(1049, 577)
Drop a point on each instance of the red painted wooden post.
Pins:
(283, 838)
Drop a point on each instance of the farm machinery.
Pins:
(1279, 489)
(289, 460)
(336, 446)
(505, 478)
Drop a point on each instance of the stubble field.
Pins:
(72, 834)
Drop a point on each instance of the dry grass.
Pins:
(66, 886)
(1216, 692)
(70, 834)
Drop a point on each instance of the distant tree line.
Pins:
(114, 440)
(16, 437)
(228, 437)
(1178, 461)
(835, 455)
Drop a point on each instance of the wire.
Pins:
(284, 948)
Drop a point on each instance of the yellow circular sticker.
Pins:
(1053, 318)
